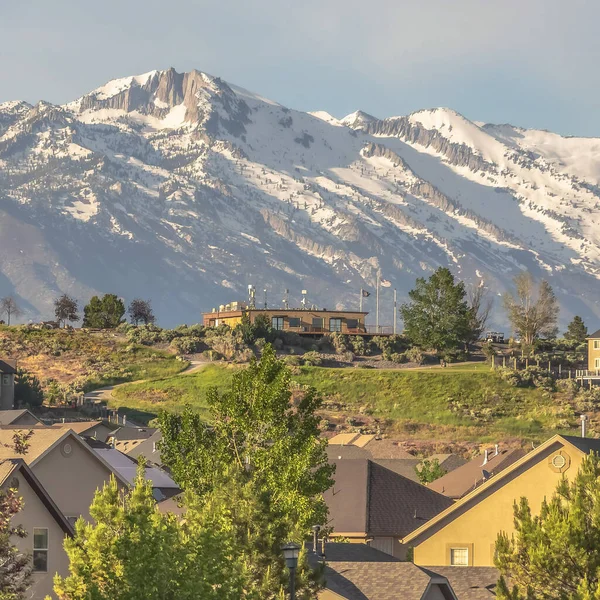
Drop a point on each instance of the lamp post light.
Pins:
(290, 553)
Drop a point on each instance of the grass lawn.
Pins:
(466, 402)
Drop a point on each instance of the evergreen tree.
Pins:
(272, 452)
(556, 554)
(438, 316)
(576, 330)
(104, 313)
(132, 551)
(28, 390)
(65, 309)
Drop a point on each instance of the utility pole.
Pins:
(377, 307)
(360, 301)
(395, 310)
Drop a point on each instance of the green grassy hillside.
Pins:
(466, 402)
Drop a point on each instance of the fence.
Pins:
(557, 369)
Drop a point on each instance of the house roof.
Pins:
(132, 433)
(374, 446)
(471, 583)
(8, 417)
(371, 499)
(145, 448)
(10, 466)
(448, 462)
(357, 572)
(460, 481)
(78, 427)
(8, 365)
(41, 442)
(594, 336)
(472, 498)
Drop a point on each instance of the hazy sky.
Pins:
(533, 63)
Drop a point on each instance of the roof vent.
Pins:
(497, 450)
(485, 459)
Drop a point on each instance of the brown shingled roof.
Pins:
(469, 476)
(368, 498)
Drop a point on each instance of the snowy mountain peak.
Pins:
(182, 188)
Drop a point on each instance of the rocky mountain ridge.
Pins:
(184, 189)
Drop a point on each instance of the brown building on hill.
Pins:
(466, 478)
(8, 370)
(368, 502)
(297, 320)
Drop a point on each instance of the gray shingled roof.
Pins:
(368, 498)
(595, 335)
(8, 365)
(470, 583)
(586, 445)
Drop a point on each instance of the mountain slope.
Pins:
(184, 189)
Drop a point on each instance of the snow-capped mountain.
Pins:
(184, 189)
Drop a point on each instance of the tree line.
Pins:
(101, 312)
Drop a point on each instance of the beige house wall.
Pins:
(35, 514)
(593, 354)
(25, 420)
(72, 478)
(7, 391)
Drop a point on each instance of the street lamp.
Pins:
(290, 553)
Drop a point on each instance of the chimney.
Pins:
(497, 450)
(485, 459)
(583, 425)
(316, 529)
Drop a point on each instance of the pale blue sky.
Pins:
(532, 63)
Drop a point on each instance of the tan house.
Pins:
(594, 352)
(44, 523)
(8, 370)
(464, 534)
(66, 466)
(19, 418)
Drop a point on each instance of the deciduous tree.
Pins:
(576, 331)
(438, 315)
(104, 313)
(66, 309)
(555, 555)
(10, 308)
(532, 309)
(429, 470)
(140, 311)
(480, 308)
(132, 551)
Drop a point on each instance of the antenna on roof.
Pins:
(286, 299)
(265, 292)
(251, 296)
(303, 301)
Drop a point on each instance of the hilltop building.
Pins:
(305, 321)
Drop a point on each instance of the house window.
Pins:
(277, 323)
(596, 344)
(352, 323)
(294, 322)
(335, 324)
(317, 323)
(6, 379)
(459, 557)
(40, 549)
(597, 363)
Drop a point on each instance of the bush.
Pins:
(348, 356)
(340, 342)
(414, 355)
(312, 359)
(359, 347)
(211, 355)
(398, 357)
(187, 345)
(292, 360)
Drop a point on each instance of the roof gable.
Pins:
(8, 366)
(8, 417)
(474, 497)
(595, 335)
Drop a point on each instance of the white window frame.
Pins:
(596, 344)
(597, 364)
(46, 549)
(461, 549)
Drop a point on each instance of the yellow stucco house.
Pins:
(465, 533)
(594, 351)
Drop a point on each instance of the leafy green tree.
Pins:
(429, 470)
(66, 309)
(140, 311)
(576, 330)
(104, 313)
(555, 555)
(250, 332)
(438, 316)
(132, 551)
(28, 390)
(269, 447)
(532, 309)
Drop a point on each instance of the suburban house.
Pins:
(298, 320)
(8, 370)
(148, 448)
(163, 486)
(358, 572)
(594, 352)
(66, 466)
(464, 534)
(370, 503)
(44, 523)
(94, 429)
(19, 418)
(464, 479)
